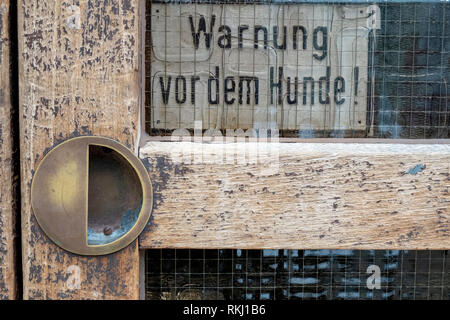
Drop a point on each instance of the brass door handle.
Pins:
(91, 195)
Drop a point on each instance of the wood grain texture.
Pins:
(78, 76)
(8, 284)
(299, 196)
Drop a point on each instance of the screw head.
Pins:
(107, 231)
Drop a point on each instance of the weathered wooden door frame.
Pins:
(10, 274)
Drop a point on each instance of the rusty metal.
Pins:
(91, 196)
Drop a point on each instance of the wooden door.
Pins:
(82, 71)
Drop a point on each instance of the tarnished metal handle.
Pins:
(91, 195)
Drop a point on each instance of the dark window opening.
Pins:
(297, 274)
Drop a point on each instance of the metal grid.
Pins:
(296, 274)
(407, 97)
(407, 76)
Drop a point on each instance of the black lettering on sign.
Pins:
(241, 31)
(177, 89)
(305, 84)
(194, 79)
(289, 99)
(320, 36)
(264, 30)
(338, 89)
(278, 85)
(202, 28)
(275, 38)
(165, 90)
(356, 77)
(305, 36)
(325, 92)
(322, 47)
(230, 77)
(228, 90)
(248, 80)
(210, 81)
(225, 37)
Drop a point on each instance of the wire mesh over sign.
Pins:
(306, 68)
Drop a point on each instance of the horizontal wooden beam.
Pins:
(298, 195)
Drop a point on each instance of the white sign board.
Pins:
(240, 66)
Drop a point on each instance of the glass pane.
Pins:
(308, 69)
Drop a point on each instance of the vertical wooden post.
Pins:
(8, 283)
(78, 76)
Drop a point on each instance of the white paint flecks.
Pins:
(74, 21)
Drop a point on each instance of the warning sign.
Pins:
(240, 66)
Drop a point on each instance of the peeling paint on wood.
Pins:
(8, 283)
(78, 76)
(302, 196)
